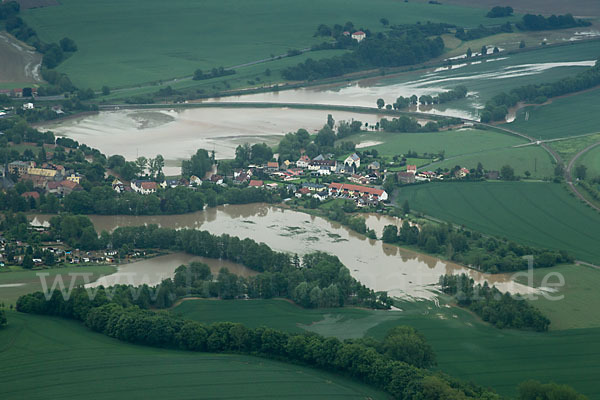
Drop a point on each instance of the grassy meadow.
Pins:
(129, 42)
(45, 357)
(535, 213)
(591, 160)
(568, 148)
(465, 347)
(563, 117)
(15, 281)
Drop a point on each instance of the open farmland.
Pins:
(563, 117)
(529, 158)
(17, 282)
(19, 66)
(453, 142)
(130, 42)
(465, 347)
(591, 160)
(567, 149)
(44, 357)
(539, 214)
(582, 8)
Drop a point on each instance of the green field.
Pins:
(453, 143)
(134, 41)
(567, 149)
(580, 293)
(465, 347)
(31, 281)
(530, 158)
(534, 213)
(52, 358)
(591, 160)
(563, 117)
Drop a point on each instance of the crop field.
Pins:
(530, 158)
(17, 282)
(159, 40)
(465, 347)
(17, 68)
(44, 357)
(575, 7)
(580, 295)
(591, 160)
(539, 214)
(453, 143)
(563, 117)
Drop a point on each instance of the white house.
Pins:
(303, 161)
(28, 106)
(352, 160)
(194, 180)
(359, 36)
(144, 187)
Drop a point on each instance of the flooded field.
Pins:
(378, 265)
(153, 270)
(178, 134)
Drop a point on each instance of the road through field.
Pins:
(569, 176)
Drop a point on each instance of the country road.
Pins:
(569, 175)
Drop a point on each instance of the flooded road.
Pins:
(377, 265)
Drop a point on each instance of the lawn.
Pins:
(133, 41)
(29, 281)
(563, 117)
(465, 347)
(44, 357)
(453, 143)
(535, 213)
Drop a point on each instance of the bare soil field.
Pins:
(19, 62)
(579, 8)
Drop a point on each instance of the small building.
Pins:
(303, 161)
(28, 106)
(316, 165)
(272, 166)
(314, 187)
(20, 167)
(75, 177)
(144, 187)
(357, 191)
(194, 180)
(28, 195)
(411, 169)
(374, 166)
(492, 175)
(256, 183)
(359, 36)
(352, 161)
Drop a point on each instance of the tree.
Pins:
(2, 318)
(404, 343)
(27, 262)
(534, 390)
(431, 246)
(384, 21)
(405, 207)
(380, 103)
(141, 163)
(325, 137)
(496, 50)
(199, 164)
(330, 121)
(469, 52)
(105, 90)
(580, 172)
(507, 173)
(483, 50)
(522, 44)
(390, 234)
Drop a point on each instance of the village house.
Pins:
(194, 180)
(352, 161)
(144, 187)
(256, 183)
(20, 167)
(406, 177)
(316, 165)
(426, 176)
(356, 191)
(356, 178)
(359, 36)
(34, 195)
(240, 177)
(461, 173)
(374, 166)
(68, 187)
(303, 161)
(118, 186)
(75, 177)
(411, 169)
(314, 187)
(272, 166)
(302, 192)
(169, 183)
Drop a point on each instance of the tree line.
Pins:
(471, 248)
(532, 22)
(500, 309)
(497, 108)
(397, 364)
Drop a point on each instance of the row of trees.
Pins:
(497, 108)
(482, 31)
(533, 22)
(500, 309)
(394, 364)
(409, 124)
(459, 92)
(471, 248)
(394, 49)
(199, 75)
(500, 12)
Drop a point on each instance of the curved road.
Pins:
(569, 176)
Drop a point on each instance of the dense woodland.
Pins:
(486, 254)
(497, 108)
(500, 309)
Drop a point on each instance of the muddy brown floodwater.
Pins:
(377, 265)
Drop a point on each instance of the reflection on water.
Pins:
(377, 265)
(153, 270)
